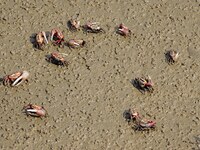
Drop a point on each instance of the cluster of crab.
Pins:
(139, 123)
(57, 38)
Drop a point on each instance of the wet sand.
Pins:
(86, 100)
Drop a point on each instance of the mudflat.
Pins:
(86, 100)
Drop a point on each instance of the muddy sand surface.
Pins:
(86, 100)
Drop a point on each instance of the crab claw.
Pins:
(149, 81)
(76, 43)
(53, 31)
(35, 112)
(45, 37)
(21, 78)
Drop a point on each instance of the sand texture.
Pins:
(86, 100)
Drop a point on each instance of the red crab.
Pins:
(139, 122)
(34, 110)
(123, 30)
(56, 58)
(93, 27)
(16, 78)
(144, 84)
(172, 56)
(58, 36)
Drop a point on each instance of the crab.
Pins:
(56, 58)
(16, 78)
(132, 115)
(75, 43)
(123, 30)
(34, 110)
(138, 121)
(172, 56)
(41, 40)
(58, 36)
(144, 84)
(142, 125)
(74, 23)
(93, 27)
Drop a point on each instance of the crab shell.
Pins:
(35, 110)
(123, 30)
(76, 43)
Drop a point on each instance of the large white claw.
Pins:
(45, 37)
(22, 78)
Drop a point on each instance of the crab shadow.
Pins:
(69, 25)
(127, 115)
(1, 80)
(167, 57)
(197, 142)
(135, 84)
(47, 58)
(116, 30)
(32, 39)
